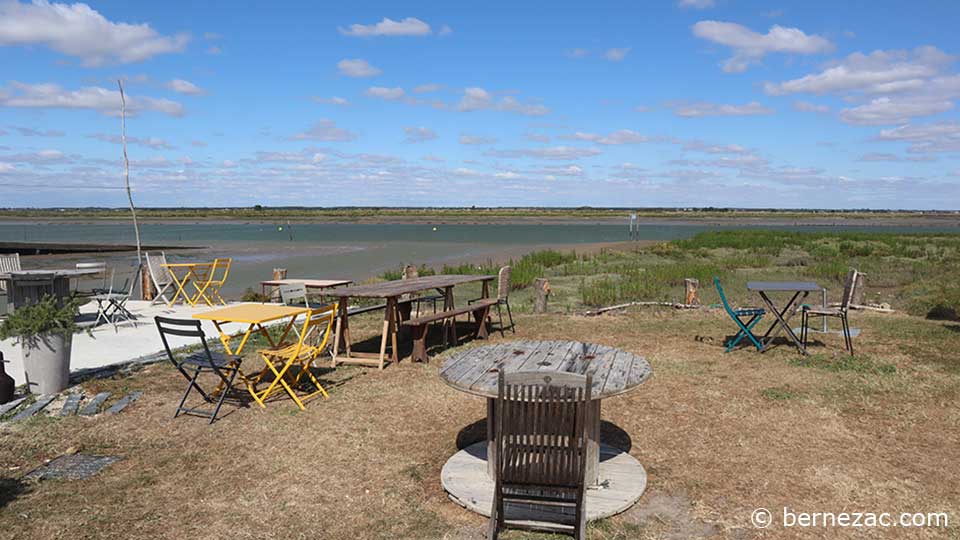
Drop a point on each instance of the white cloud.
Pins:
(750, 47)
(623, 136)
(569, 170)
(6, 168)
(325, 130)
(53, 96)
(475, 99)
(150, 142)
(214, 50)
(411, 26)
(389, 94)
(30, 132)
(887, 111)
(939, 137)
(357, 67)
(426, 88)
(577, 53)
(616, 55)
(80, 31)
(477, 139)
(563, 153)
(696, 110)
(419, 134)
(333, 100)
(696, 4)
(433, 158)
(877, 72)
(880, 156)
(181, 86)
(806, 106)
(700, 146)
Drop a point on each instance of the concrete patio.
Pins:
(106, 346)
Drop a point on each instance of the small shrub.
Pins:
(250, 295)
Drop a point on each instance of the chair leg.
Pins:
(493, 527)
(513, 327)
(848, 339)
(500, 314)
(223, 395)
(190, 386)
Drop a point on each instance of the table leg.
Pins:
(180, 286)
(387, 328)
(783, 317)
(449, 325)
(481, 316)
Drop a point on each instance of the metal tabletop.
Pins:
(783, 286)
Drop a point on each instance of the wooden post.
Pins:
(691, 285)
(541, 287)
(278, 273)
(146, 285)
(859, 290)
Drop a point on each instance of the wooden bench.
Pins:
(420, 325)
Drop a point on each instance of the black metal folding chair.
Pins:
(224, 366)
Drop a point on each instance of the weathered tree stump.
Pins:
(859, 290)
(146, 285)
(691, 286)
(541, 288)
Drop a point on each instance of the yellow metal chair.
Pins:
(216, 279)
(314, 336)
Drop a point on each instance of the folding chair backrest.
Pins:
(849, 288)
(9, 263)
(158, 273)
(294, 294)
(101, 268)
(129, 282)
(723, 297)
(220, 270)
(182, 328)
(316, 327)
(541, 429)
(503, 283)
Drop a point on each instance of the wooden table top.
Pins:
(614, 371)
(57, 272)
(308, 283)
(251, 313)
(788, 286)
(401, 287)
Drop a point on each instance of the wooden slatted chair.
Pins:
(503, 299)
(541, 449)
(8, 263)
(314, 336)
(160, 276)
(840, 312)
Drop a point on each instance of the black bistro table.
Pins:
(800, 290)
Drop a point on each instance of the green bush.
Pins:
(44, 317)
(251, 295)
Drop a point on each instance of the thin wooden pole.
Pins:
(126, 169)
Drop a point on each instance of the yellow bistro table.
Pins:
(254, 316)
(197, 272)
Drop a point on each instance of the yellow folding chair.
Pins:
(314, 336)
(210, 290)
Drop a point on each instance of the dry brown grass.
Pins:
(720, 434)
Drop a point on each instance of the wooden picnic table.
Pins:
(614, 371)
(29, 286)
(782, 316)
(308, 283)
(395, 312)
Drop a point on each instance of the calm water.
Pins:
(355, 251)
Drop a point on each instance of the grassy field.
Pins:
(913, 273)
(719, 434)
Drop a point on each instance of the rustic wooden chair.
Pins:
(160, 277)
(541, 449)
(225, 367)
(503, 299)
(8, 263)
(840, 312)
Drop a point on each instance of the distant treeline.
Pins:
(354, 212)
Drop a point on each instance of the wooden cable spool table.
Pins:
(615, 479)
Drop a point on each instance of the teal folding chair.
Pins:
(746, 327)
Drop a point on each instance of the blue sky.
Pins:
(628, 104)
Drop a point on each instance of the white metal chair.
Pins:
(112, 304)
(8, 263)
